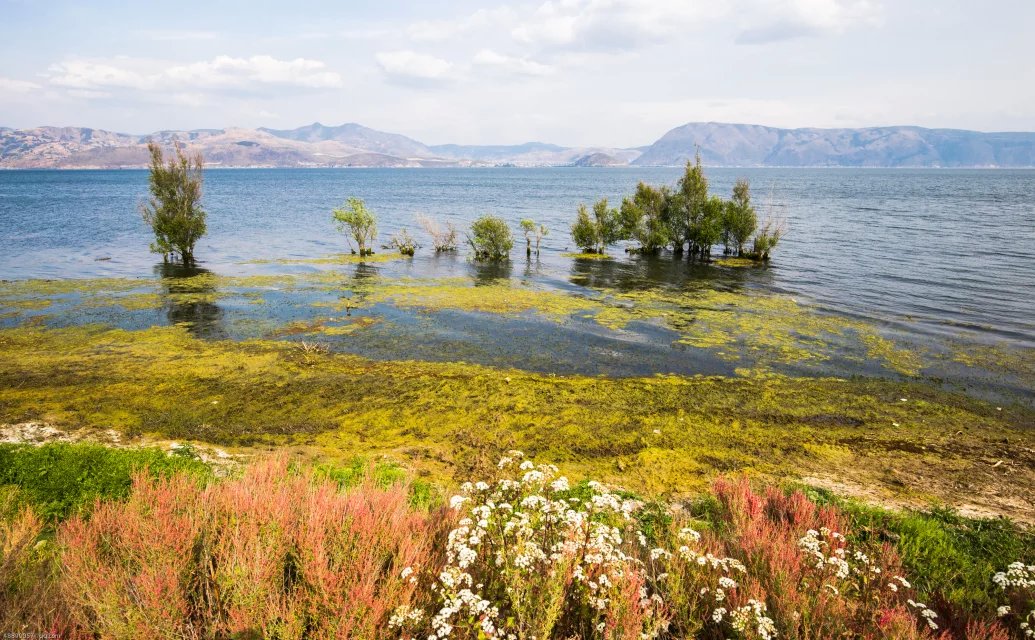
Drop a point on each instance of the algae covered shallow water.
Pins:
(890, 273)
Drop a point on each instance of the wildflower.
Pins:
(1003, 610)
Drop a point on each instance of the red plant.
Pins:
(274, 553)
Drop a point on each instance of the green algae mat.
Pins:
(657, 388)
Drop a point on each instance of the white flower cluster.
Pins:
(836, 560)
(925, 613)
(1018, 577)
(526, 530)
(752, 617)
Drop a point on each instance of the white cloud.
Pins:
(511, 64)
(775, 20)
(410, 64)
(628, 24)
(612, 24)
(440, 30)
(228, 72)
(220, 73)
(10, 85)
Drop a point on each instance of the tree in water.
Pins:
(174, 209)
(688, 209)
(490, 239)
(770, 233)
(357, 222)
(528, 227)
(739, 218)
(540, 232)
(643, 218)
(594, 233)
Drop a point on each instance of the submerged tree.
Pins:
(174, 210)
(442, 237)
(403, 242)
(490, 238)
(355, 220)
(643, 218)
(688, 211)
(740, 219)
(769, 235)
(528, 226)
(594, 233)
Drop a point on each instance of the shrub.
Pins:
(686, 207)
(442, 238)
(643, 218)
(358, 223)
(533, 230)
(174, 210)
(739, 220)
(594, 234)
(404, 242)
(530, 560)
(490, 238)
(276, 553)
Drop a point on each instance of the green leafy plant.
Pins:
(358, 223)
(643, 218)
(404, 242)
(593, 233)
(490, 238)
(174, 209)
(739, 218)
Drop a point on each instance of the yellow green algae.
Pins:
(657, 434)
(774, 329)
(738, 263)
(337, 258)
(502, 297)
(587, 256)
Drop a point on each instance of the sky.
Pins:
(573, 72)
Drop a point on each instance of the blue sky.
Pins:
(575, 72)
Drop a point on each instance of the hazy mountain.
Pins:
(358, 136)
(353, 145)
(755, 145)
(347, 146)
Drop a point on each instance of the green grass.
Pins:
(61, 479)
(423, 494)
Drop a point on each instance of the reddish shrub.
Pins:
(274, 553)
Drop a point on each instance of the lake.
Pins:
(926, 255)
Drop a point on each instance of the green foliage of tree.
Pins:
(174, 209)
(707, 230)
(490, 238)
(643, 218)
(766, 239)
(528, 226)
(687, 210)
(593, 233)
(355, 220)
(739, 219)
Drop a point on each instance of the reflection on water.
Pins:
(189, 300)
(485, 273)
(643, 273)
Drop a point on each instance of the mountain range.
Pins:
(353, 145)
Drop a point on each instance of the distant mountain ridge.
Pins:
(354, 145)
(757, 145)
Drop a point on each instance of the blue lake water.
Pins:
(932, 252)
